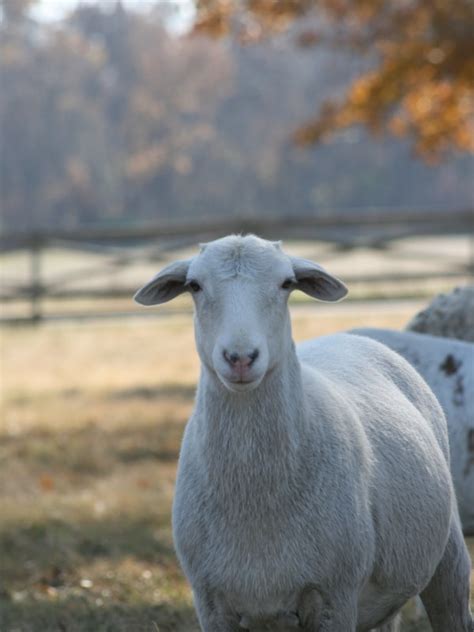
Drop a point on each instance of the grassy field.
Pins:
(92, 416)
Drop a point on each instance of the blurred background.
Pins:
(132, 130)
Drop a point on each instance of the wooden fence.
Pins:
(120, 248)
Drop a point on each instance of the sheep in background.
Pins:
(311, 484)
(448, 367)
(449, 315)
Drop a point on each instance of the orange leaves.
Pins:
(409, 98)
(437, 114)
(249, 20)
(214, 17)
(422, 84)
(46, 482)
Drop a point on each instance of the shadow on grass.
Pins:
(184, 392)
(76, 615)
(117, 426)
(169, 390)
(58, 541)
(43, 566)
(94, 449)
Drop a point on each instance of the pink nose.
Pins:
(240, 363)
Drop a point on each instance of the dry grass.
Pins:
(91, 423)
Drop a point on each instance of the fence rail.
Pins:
(429, 222)
(120, 248)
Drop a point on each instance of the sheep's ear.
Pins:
(167, 284)
(313, 280)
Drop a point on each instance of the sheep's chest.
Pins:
(254, 547)
(260, 566)
(243, 531)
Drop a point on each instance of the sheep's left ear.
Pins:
(313, 280)
(167, 284)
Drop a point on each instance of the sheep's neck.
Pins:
(250, 441)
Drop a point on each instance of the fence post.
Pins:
(36, 288)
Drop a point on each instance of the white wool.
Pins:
(447, 365)
(313, 486)
(448, 315)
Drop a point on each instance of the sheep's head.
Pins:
(240, 286)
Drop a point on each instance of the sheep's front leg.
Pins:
(213, 613)
(333, 613)
(338, 619)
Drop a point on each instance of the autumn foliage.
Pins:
(108, 116)
(420, 80)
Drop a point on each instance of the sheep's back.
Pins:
(385, 392)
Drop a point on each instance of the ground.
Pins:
(90, 429)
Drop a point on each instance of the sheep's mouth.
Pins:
(240, 385)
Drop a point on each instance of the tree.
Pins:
(106, 116)
(420, 82)
(15, 10)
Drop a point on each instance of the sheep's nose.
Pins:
(237, 360)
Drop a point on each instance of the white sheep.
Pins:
(449, 315)
(448, 367)
(313, 488)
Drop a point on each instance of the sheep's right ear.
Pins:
(313, 280)
(167, 284)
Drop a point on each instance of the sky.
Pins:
(52, 10)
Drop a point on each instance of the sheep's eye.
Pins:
(194, 286)
(287, 283)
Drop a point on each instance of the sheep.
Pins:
(448, 368)
(313, 486)
(449, 315)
